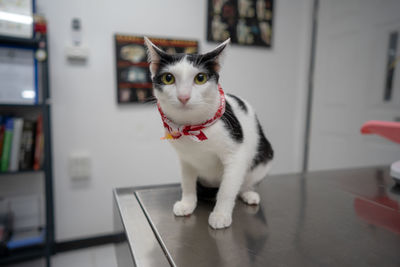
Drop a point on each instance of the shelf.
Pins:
(23, 105)
(20, 172)
(22, 110)
(44, 248)
(20, 42)
(28, 253)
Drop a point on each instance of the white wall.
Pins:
(350, 73)
(123, 141)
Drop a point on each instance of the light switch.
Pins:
(80, 166)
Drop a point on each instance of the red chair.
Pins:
(389, 130)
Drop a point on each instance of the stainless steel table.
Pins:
(334, 218)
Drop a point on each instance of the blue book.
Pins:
(26, 239)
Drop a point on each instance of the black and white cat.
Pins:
(218, 138)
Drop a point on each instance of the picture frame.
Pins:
(246, 22)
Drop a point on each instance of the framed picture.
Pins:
(133, 75)
(246, 22)
(16, 18)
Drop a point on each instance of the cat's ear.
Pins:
(154, 55)
(217, 55)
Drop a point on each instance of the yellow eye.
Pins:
(200, 78)
(168, 78)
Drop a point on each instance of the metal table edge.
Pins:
(139, 230)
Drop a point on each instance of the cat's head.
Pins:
(186, 85)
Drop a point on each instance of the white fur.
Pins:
(203, 102)
(219, 161)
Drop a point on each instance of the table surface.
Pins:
(330, 218)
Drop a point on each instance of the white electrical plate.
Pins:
(79, 166)
(77, 52)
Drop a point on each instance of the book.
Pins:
(39, 144)
(6, 221)
(5, 155)
(15, 144)
(2, 128)
(27, 146)
(40, 81)
(21, 239)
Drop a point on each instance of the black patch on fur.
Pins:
(240, 102)
(209, 64)
(165, 60)
(200, 61)
(264, 152)
(232, 124)
(209, 61)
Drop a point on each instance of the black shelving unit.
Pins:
(20, 172)
(19, 42)
(46, 249)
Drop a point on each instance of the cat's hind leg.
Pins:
(250, 197)
(247, 193)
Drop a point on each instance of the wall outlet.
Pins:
(79, 166)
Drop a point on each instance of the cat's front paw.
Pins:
(219, 220)
(184, 208)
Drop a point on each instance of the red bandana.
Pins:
(195, 132)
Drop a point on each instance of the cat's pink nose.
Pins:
(184, 99)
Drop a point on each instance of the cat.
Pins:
(218, 138)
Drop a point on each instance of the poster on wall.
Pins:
(133, 75)
(246, 22)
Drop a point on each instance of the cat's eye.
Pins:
(200, 78)
(168, 78)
